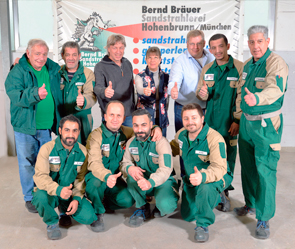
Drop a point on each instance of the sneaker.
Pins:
(262, 229)
(201, 234)
(140, 215)
(156, 213)
(53, 232)
(98, 225)
(65, 220)
(242, 211)
(31, 208)
(224, 205)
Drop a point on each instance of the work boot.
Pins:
(201, 234)
(140, 215)
(156, 213)
(262, 229)
(224, 205)
(64, 220)
(31, 208)
(98, 225)
(242, 211)
(53, 232)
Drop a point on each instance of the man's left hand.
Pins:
(250, 98)
(72, 208)
(144, 184)
(234, 129)
(156, 134)
(80, 99)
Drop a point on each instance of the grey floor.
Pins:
(21, 229)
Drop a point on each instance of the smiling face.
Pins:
(192, 122)
(69, 134)
(153, 61)
(116, 52)
(71, 57)
(258, 45)
(219, 49)
(142, 127)
(37, 56)
(195, 46)
(114, 116)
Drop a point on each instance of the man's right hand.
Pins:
(109, 91)
(112, 180)
(42, 92)
(204, 90)
(174, 91)
(147, 91)
(66, 192)
(136, 172)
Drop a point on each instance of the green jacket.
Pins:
(106, 149)
(207, 153)
(84, 80)
(22, 88)
(267, 79)
(154, 157)
(222, 94)
(56, 168)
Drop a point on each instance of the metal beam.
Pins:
(6, 62)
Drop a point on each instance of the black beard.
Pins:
(142, 139)
(68, 143)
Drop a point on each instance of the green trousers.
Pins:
(259, 155)
(166, 195)
(45, 205)
(118, 197)
(198, 202)
(231, 154)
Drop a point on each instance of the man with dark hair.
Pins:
(261, 96)
(77, 84)
(114, 78)
(203, 151)
(218, 86)
(149, 169)
(59, 176)
(106, 146)
(35, 106)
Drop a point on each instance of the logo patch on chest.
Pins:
(105, 147)
(54, 159)
(133, 150)
(244, 75)
(180, 143)
(209, 77)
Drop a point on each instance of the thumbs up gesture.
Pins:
(147, 90)
(204, 90)
(80, 99)
(174, 91)
(66, 192)
(250, 98)
(112, 180)
(196, 178)
(42, 92)
(109, 91)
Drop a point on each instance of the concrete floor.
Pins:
(21, 229)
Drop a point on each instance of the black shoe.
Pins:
(106, 206)
(98, 225)
(64, 220)
(224, 205)
(140, 215)
(156, 213)
(31, 208)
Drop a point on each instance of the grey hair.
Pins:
(113, 39)
(70, 44)
(34, 42)
(258, 29)
(195, 33)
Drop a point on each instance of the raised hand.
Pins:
(204, 90)
(80, 99)
(109, 91)
(42, 92)
(112, 180)
(147, 90)
(196, 178)
(250, 98)
(66, 192)
(174, 91)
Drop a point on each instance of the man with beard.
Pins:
(203, 151)
(59, 176)
(149, 169)
(218, 87)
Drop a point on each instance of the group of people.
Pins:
(127, 159)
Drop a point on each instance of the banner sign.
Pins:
(144, 24)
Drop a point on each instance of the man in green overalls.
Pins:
(203, 151)
(149, 169)
(218, 86)
(261, 95)
(77, 84)
(59, 176)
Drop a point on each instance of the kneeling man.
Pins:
(59, 177)
(148, 166)
(203, 151)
